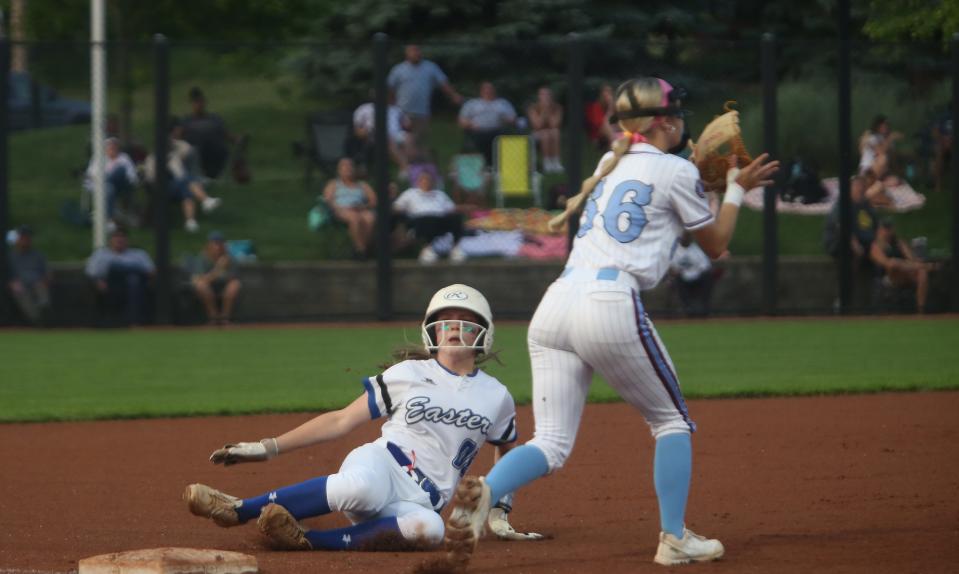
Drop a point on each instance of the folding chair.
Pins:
(326, 135)
(514, 167)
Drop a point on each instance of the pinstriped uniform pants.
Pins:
(585, 324)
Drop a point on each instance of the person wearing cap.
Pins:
(122, 275)
(29, 277)
(216, 277)
(899, 265)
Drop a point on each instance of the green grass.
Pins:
(77, 375)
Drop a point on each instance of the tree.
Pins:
(904, 20)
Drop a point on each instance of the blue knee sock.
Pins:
(519, 467)
(351, 537)
(302, 500)
(672, 470)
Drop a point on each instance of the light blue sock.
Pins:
(352, 537)
(302, 500)
(672, 469)
(519, 467)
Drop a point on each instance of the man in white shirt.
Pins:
(397, 126)
(430, 214)
(486, 117)
(119, 172)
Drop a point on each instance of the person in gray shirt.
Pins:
(486, 117)
(122, 275)
(29, 277)
(413, 81)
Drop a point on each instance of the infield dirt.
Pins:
(861, 483)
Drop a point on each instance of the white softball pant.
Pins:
(370, 485)
(584, 324)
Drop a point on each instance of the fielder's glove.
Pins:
(245, 452)
(721, 138)
(499, 523)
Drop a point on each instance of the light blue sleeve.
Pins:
(438, 76)
(393, 79)
(144, 261)
(508, 108)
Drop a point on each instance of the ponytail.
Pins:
(646, 93)
(575, 204)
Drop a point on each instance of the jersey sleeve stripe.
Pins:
(371, 400)
(698, 222)
(387, 400)
(508, 436)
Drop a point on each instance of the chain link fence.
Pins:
(281, 158)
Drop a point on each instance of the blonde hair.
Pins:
(648, 93)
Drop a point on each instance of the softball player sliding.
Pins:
(639, 200)
(440, 408)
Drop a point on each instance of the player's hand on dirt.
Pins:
(499, 523)
(758, 173)
(245, 452)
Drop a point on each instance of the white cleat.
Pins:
(211, 203)
(428, 256)
(464, 527)
(690, 548)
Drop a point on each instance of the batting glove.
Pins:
(499, 523)
(245, 452)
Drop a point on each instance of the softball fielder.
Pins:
(440, 409)
(638, 201)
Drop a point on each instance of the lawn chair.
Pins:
(514, 169)
(326, 135)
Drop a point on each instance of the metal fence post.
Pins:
(384, 280)
(845, 163)
(574, 124)
(770, 230)
(955, 162)
(161, 138)
(4, 177)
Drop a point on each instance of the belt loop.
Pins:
(608, 274)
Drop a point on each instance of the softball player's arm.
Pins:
(327, 426)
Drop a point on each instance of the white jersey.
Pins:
(635, 214)
(440, 419)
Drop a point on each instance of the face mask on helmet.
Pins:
(455, 334)
(679, 148)
(465, 298)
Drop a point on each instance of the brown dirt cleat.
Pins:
(213, 504)
(279, 526)
(464, 527)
